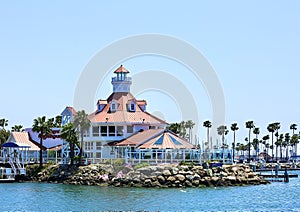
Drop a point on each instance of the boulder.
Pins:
(180, 177)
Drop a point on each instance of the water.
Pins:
(55, 197)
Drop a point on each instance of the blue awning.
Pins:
(10, 144)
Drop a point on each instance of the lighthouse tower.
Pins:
(121, 83)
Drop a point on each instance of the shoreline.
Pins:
(145, 175)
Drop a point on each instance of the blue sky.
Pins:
(252, 45)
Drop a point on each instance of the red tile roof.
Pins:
(141, 102)
(122, 115)
(121, 69)
(73, 111)
(155, 139)
(22, 139)
(137, 138)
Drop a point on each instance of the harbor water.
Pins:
(278, 196)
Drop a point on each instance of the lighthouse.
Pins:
(121, 83)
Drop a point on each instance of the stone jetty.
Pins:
(145, 175)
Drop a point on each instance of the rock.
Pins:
(174, 171)
(189, 178)
(145, 170)
(167, 173)
(180, 177)
(196, 177)
(161, 179)
(196, 182)
(171, 179)
(188, 184)
(209, 172)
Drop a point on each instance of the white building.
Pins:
(117, 117)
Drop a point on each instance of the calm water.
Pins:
(52, 197)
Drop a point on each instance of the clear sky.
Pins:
(252, 45)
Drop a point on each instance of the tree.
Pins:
(279, 143)
(4, 134)
(44, 128)
(68, 133)
(293, 127)
(58, 121)
(234, 127)
(222, 131)
(249, 125)
(82, 124)
(3, 123)
(255, 143)
(294, 142)
(17, 128)
(276, 127)
(286, 144)
(256, 131)
(208, 125)
(271, 129)
(265, 139)
(190, 124)
(175, 128)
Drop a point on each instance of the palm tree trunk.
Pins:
(249, 147)
(81, 148)
(41, 150)
(272, 147)
(233, 149)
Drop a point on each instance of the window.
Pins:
(113, 106)
(132, 107)
(152, 127)
(103, 130)
(96, 131)
(98, 145)
(89, 146)
(98, 154)
(112, 130)
(120, 130)
(86, 133)
(129, 129)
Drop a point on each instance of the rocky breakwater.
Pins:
(164, 176)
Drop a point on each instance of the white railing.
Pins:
(11, 163)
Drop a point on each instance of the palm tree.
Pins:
(256, 131)
(82, 124)
(3, 123)
(279, 143)
(234, 127)
(44, 128)
(286, 144)
(255, 143)
(265, 139)
(294, 142)
(249, 125)
(208, 125)
(276, 127)
(271, 129)
(293, 127)
(175, 128)
(17, 128)
(222, 130)
(68, 133)
(58, 121)
(190, 124)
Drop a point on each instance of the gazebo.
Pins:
(157, 146)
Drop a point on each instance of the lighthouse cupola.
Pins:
(121, 82)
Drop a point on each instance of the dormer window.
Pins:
(113, 106)
(131, 106)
